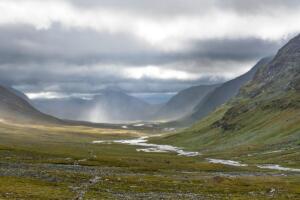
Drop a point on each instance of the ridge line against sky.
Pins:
(83, 46)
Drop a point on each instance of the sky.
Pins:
(63, 48)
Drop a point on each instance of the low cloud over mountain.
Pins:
(81, 47)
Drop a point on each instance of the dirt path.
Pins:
(82, 189)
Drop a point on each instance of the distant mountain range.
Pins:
(115, 106)
(110, 106)
(14, 107)
(184, 102)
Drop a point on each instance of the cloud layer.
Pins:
(78, 47)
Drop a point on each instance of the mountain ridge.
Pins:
(225, 92)
(14, 108)
(184, 102)
(113, 106)
(265, 114)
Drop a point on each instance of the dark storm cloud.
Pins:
(24, 44)
(21, 44)
(258, 6)
(153, 8)
(233, 49)
(170, 8)
(88, 44)
(72, 60)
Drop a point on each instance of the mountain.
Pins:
(224, 92)
(118, 106)
(184, 102)
(15, 91)
(263, 117)
(13, 107)
(274, 88)
(64, 108)
(18, 93)
(110, 106)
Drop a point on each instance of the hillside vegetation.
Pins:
(264, 116)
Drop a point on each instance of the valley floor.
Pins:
(44, 162)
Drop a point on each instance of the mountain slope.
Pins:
(18, 93)
(224, 93)
(15, 108)
(275, 87)
(263, 117)
(116, 106)
(65, 108)
(184, 102)
(109, 106)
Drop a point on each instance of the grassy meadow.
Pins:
(60, 162)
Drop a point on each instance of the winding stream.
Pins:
(226, 162)
(157, 148)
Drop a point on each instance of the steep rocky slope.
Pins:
(265, 115)
(15, 108)
(184, 102)
(225, 92)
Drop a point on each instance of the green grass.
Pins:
(42, 159)
(24, 188)
(243, 129)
